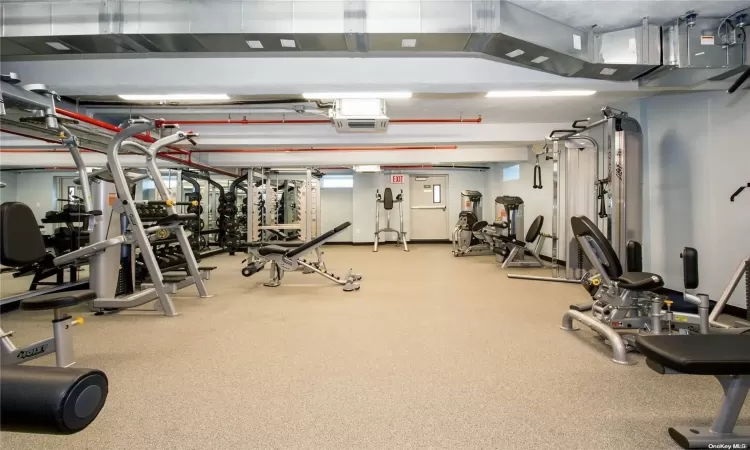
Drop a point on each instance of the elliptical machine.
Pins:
(387, 200)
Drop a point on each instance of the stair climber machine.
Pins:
(471, 235)
(112, 273)
(387, 200)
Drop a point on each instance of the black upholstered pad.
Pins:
(21, 242)
(535, 229)
(388, 199)
(479, 225)
(699, 354)
(322, 238)
(57, 300)
(640, 281)
(583, 226)
(272, 250)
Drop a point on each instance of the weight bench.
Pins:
(725, 356)
(284, 258)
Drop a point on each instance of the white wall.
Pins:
(38, 191)
(362, 200)
(8, 193)
(337, 207)
(698, 154)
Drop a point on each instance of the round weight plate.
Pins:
(230, 197)
(230, 209)
(203, 224)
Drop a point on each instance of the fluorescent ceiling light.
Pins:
(608, 71)
(57, 46)
(408, 43)
(539, 59)
(172, 97)
(288, 43)
(513, 94)
(515, 53)
(254, 44)
(367, 169)
(334, 95)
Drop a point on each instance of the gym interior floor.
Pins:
(433, 351)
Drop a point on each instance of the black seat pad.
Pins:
(57, 300)
(479, 225)
(21, 242)
(699, 354)
(272, 250)
(640, 281)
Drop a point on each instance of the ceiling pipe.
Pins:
(167, 156)
(329, 149)
(311, 121)
(110, 127)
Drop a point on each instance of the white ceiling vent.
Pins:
(359, 115)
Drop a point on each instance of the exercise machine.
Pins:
(626, 301)
(513, 252)
(22, 243)
(726, 357)
(388, 201)
(602, 164)
(284, 259)
(108, 276)
(471, 235)
(50, 400)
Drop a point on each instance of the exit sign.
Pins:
(397, 179)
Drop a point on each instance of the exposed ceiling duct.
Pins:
(493, 28)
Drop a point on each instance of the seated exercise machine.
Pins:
(623, 300)
(288, 258)
(512, 252)
(725, 356)
(22, 243)
(472, 236)
(50, 400)
(387, 200)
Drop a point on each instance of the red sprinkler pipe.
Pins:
(308, 121)
(329, 149)
(110, 127)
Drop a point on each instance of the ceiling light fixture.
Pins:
(254, 44)
(288, 43)
(172, 97)
(358, 95)
(367, 169)
(516, 94)
(539, 59)
(408, 43)
(515, 53)
(57, 46)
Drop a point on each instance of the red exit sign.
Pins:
(397, 179)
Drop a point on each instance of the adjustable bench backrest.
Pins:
(320, 239)
(21, 242)
(388, 199)
(583, 226)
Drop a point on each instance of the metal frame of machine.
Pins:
(385, 199)
(597, 184)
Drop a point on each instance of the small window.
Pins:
(337, 181)
(437, 196)
(512, 173)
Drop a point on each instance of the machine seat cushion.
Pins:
(57, 300)
(388, 199)
(272, 250)
(640, 281)
(699, 354)
(535, 229)
(479, 225)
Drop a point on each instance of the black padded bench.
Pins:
(294, 251)
(725, 356)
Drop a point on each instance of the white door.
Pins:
(429, 218)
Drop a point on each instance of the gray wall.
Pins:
(9, 192)
(698, 154)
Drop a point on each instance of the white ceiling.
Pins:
(609, 14)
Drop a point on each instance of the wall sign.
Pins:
(397, 179)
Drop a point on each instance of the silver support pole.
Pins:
(308, 205)
(727, 294)
(123, 193)
(620, 353)
(555, 207)
(540, 278)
